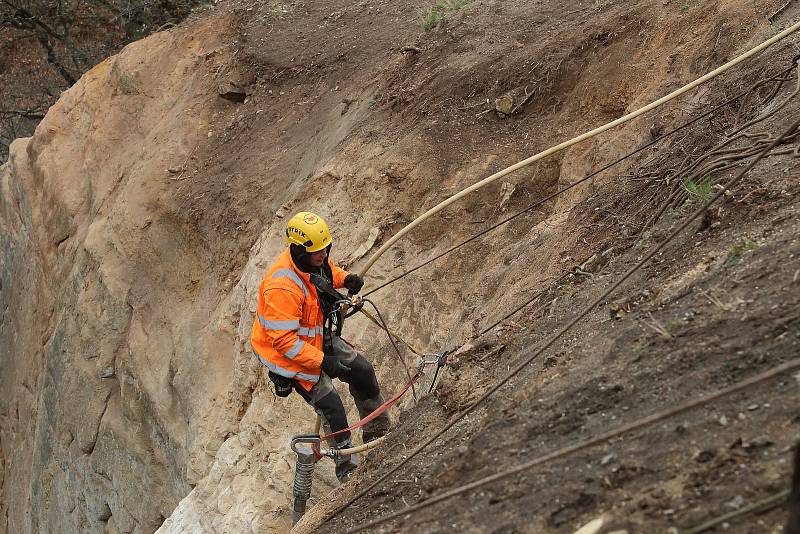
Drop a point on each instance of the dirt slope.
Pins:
(136, 227)
(717, 307)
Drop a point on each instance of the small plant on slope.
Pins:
(696, 191)
(126, 84)
(433, 15)
(738, 250)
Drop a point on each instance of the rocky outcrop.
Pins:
(129, 270)
(100, 385)
(135, 226)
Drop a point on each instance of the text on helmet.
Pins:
(293, 230)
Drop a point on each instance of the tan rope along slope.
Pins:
(524, 163)
(574, 321)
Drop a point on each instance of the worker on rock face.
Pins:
(295, 334)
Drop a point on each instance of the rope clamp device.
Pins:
(349, 306)
(439, 359)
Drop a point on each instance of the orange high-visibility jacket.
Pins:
(287, 330)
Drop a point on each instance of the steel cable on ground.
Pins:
(775, 77)
(550, 341)
(382, 323)
(394, 335)
(626, 118)
(761, 506)
(735, 135)
(739, 133)
(561, 453)
(523, 305)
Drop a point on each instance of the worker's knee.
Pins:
(361, 378)
(362, 366)
(330, 407)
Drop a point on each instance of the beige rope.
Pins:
(630, 116)
(524, 163)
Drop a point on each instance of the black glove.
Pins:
(353, 283)
(283, 385)
(333, 366)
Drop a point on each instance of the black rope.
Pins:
(535, 205)
(391, 339)
(522, 306)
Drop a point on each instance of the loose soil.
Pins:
(718, 305)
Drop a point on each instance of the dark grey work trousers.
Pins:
(363, 386)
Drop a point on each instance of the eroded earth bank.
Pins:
(136, 223)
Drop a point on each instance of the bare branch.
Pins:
(52, 58)
(24, 19)
(27, 113)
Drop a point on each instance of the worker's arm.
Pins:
(342, 278)
(339, 275)
(281, 320)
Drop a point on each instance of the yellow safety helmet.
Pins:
(308, 230)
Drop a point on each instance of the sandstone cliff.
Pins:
(136, 223)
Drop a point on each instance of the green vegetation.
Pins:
(433, 15)
(738, 250)
(569, 289)
(126, 84)
(643, 239)
(697, 191)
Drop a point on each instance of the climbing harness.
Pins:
(334, 318)
(352, 304)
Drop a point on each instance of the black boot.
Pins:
(379, 426)
(345, 465)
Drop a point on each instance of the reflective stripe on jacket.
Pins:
(287, 329)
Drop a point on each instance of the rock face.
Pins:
(127, 305)
(102, 352)
(136, 223)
